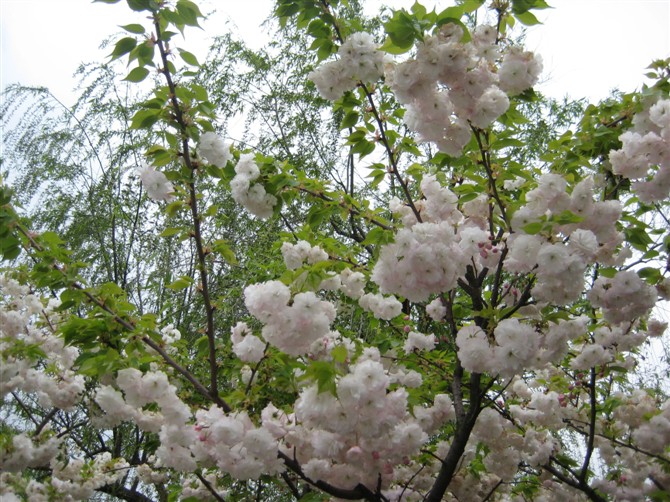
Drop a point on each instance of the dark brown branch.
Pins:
(575, 483)
(592, 427)
(124, 493)
(209, 487)
(357, 493)
(193, 203)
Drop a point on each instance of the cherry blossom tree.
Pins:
(465, 318)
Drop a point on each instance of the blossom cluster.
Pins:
(424, 259)
(214, 149)
(645, 153)
(251, 195)
(158, 187)
(359, 60)
(246, 346)
(429, 257)
(591, 236)
(292, 328)
(228, 441)
(234, 445)
(295, 255)
(60, 386)
(360, 434)
(452, 85)
(74, 479)
(515, 346)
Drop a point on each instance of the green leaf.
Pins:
(10, 248)
(134, 28)
(182, 283)
(521, 6)
(169, 232)
(391, 48)
(471, 5)
(608, 272)
(137, 74)
(349, 120)
(139, 5)
(467, 197)
(377, 176)
(650, 274)
(189, 12)
(567, 218)
(403, 29)
(533, 228)
(144, 119)
(506, 143)
(223, 248)
(638, 238)
(378, 236)
(363, 148)
(527, 19)
(123, 46)
(188, 58)
(324, 373)
(202, 346)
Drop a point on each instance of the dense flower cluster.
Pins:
(360, 434)
(60, 386)
(76, 479)
(517, 346)
(246, 346)
(518, 302)
(234, 445)
(359, 60)
(645, 154)
(560, 266)
(295, 255)
(292, 328)
(452, 85)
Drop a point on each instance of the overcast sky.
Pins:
(589, 47)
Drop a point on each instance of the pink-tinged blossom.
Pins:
(645, 153)
(248, 348)
(474, 351)
(359, 60)
(489, 106)
(419, 341)
(623, 298)
(295, 255)
(440, 203)
(423, 260)
(516, 348)
(290, 328)
(382, 307)
(352, 283)
(520, 70)
(523, 251)
(436, 309)
(591, 355)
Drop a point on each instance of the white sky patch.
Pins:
(589, 47)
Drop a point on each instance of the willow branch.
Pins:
(131, 328)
